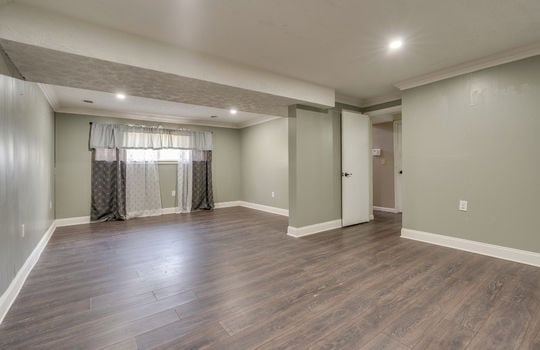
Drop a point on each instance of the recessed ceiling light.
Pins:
(233, 111)
(121, 96)
(88, 101)
(395, 44)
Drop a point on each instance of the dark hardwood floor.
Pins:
(232, 279)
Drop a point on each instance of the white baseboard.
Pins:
(86, 219)
(227, 204)
(9, 296)
(72, 221)
(265, 208)
(388, 210)
(311, 229)
(166, 211)
(516, 255)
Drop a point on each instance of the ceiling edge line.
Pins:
(496, 59)
(258, 122)
(369, 102)
(145, 117)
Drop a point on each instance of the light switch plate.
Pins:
(463, 205)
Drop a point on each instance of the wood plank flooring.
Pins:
(232, 279)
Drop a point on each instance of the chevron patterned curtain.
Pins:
(202, 196)
(108, 184)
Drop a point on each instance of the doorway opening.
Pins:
(387, 160)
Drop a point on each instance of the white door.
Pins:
(397, 164)
(355, 165)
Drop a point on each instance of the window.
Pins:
(161, 156)
(169, 155)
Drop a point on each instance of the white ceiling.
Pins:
(335, 43)
(70, 100)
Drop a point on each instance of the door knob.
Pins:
(346, 174)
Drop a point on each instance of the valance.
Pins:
(135, 136)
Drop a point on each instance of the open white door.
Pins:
(355, 165)
(397, 164)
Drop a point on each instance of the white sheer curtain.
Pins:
(143, 144)
(146, 137)
(143, 195)
(185, 180)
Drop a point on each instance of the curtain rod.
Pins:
(159, 126)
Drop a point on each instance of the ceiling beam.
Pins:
(37, 27)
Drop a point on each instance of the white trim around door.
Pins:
(398, 165)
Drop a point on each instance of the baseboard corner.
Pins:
(302, 231)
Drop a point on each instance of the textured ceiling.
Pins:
(71, 100)
(336, 43)
(63, 69)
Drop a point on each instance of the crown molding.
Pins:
(50, 95)
(349, 100)
(368, 102)
(499, 58)
(146, 117)
(257, 122)
(389, 110)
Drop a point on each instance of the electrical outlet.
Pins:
(273, 194)
(173, 193)
(22, 230)
(463, 205)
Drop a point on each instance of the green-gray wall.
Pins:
(167, 183)
(265, 163)
(475, 137)
(314, 166)
(26, 172)
(73, 161)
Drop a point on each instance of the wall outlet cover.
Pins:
(463, 205)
